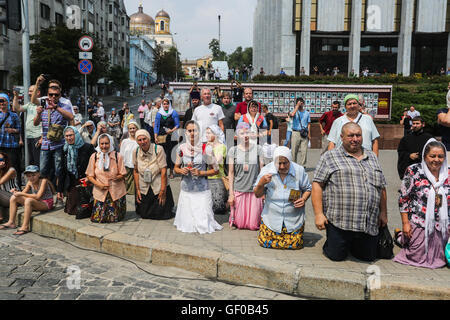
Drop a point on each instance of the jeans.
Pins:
(51, 164)
(288, 138)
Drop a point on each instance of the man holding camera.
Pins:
(301, 132)
(33, 133)
(55, 113)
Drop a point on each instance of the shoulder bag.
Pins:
(55, 131)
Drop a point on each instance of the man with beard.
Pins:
(411, 146)
(327, 119)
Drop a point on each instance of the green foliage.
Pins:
(218, 55)
(240, 57)
(119, 76)
(54, 51)
(166, 64)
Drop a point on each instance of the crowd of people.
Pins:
(229, 160)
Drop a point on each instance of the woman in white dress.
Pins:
(195, 164)
(127, 149)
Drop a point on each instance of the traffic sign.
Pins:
(85, 55)
(85, 43)
(85, 67)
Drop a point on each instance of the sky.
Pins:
(196, 23)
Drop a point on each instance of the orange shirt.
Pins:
(117, 188)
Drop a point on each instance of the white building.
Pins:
(395, 36)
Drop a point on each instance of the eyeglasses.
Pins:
(3, 101)
(53, 94)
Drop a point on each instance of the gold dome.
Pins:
(141, 18)
(162, 14)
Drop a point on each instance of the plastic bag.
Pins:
(385, 248)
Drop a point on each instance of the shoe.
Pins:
(20, 232)
(59, 204)
(5, 227)
(396, 237)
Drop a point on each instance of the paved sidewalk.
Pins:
(235, 256)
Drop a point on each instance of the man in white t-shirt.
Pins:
(208, 113)
(100, 111)
(413, 113)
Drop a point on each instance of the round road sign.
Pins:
(86, 43)
(85, 66)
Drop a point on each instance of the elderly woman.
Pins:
(216, 140)
(244, 163)
(74, 162)
(88, 131)
(102, 128)
(106, 172)
(423, 203)
(114, 124)
(194, 210)
(154, 198)
(127, 149)
(167, 122)
(286, 187)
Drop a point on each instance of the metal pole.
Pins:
(176, 65)
(85, 99)
(219, 32)
(26, 67)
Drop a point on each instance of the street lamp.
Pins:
(176, 61)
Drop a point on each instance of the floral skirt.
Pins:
(284, 240)
(109, 211)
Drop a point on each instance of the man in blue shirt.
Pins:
(286, 187)
(301, 132)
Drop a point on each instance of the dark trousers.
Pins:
(342, 242)
(33, 152)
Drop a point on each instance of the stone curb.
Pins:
(303, 281)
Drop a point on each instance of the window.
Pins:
(110, 9)
(45, 12)
(162, 25)
(59, 19)
(110, 26)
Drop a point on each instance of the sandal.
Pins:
(20, 232)
(396, 236)
(6, 227)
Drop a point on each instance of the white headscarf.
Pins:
(104, 157)
(439, 186)
(220, 136)
(163, 112)
(282, 152)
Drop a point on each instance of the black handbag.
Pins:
(385, 246)
(84, 210)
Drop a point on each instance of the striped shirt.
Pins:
(352, 192)
(9, 140)
(10, 184)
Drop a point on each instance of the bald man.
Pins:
(242, 107)
(349, 198)
(208, 113)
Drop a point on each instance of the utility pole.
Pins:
(26, 67)
(219, 32)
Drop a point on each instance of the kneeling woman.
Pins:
(423, 202)
(40, 199)
(106, 171)
(194, 211)
(154, 198)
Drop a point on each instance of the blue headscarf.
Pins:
(4, 95)
(72, 151)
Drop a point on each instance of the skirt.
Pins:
(219, 196)
(149, 207)
(284, 240)
(129, 181)
(109, 211)
(194, 213)
(246, 213)
(414, 253)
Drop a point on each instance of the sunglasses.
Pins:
(2, 159)
(53, 94)
(3, 101)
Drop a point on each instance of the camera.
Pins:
(43, 103)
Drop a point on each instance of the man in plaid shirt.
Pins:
(9, 132)
(60, 113)
(349, 198)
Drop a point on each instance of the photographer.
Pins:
(194, 92)
(237, 90)
(55, 113)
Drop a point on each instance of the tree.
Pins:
(167, 63)
(54, 51)
(120, 77)
(217, 54)
(240, 57)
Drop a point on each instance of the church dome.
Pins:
(162, 14)
(141, 18)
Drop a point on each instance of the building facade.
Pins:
(106, 20)
(394, 36)
(141, 63)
